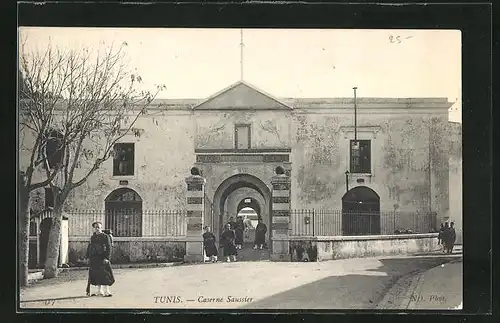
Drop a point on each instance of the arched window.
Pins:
(124, 213)
(53, 147)
(360, 212)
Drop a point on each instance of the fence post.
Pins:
(313, 221)
(370, 223)
(393, 221)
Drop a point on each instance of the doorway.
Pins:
(45, 226)
(361, 212)
(228, 203)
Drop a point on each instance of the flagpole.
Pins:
(355, 116)
(241, 53)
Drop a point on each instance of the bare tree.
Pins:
(75, 105)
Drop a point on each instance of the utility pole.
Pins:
(355, 116)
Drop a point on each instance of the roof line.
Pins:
(266, 94)
(213, 96)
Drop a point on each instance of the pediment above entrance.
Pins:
(242, 96)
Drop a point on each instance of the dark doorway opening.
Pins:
(45, 226)
(361, 212)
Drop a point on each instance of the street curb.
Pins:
(122, 266)
(38, 275)
(416, 282)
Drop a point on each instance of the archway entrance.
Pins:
(123, 209)
(360, 212)
(237, 193)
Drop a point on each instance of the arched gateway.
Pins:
(231, 185)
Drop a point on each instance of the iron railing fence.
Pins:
(306, 222)
(129, 223)
(336, 222)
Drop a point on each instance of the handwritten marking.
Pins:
(397, 39)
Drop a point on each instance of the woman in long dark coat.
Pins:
(99, 253)
(260, 235)
(209, 244)
(238, 231)
(227, 241)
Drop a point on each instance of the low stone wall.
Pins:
(132, 250)
(341, 247)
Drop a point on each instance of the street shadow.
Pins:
(334, 292)
(352, 291)
(404, 266)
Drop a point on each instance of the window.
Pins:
(49, 197)
(123, 161)
(360, 156)
(53, 148)
(242, 136)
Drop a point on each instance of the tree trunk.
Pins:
(53, 245)
(24, 229)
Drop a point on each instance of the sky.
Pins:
(300, 63)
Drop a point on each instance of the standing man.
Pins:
(260, 235)
(238, 232)
(445, 237)
(99, 253)
(451, 238)
(209, 244)
(227, 240)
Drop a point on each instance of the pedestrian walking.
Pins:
(227, 240)
(209, 244)
(260, 234)
(238, 232)
(451, 238)
(99, 254)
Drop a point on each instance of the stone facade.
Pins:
(309, 138)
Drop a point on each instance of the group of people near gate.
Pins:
(447, 237)
(232, 238)
(101, 243)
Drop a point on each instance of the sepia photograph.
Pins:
(240, 169)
